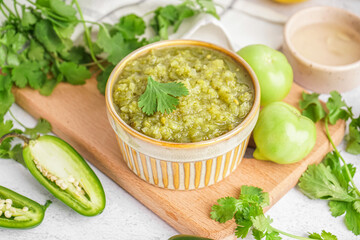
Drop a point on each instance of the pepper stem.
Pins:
(13, 134)
(47, 204)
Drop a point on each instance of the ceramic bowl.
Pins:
(181, 166)
(313, 76)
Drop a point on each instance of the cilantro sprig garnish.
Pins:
(330, 180)
(161, 97)
(37, 50)
(247, 210)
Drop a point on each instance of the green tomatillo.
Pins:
(282, 134)
(272, 69)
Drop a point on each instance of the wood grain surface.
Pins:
(78, 115)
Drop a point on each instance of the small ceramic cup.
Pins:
(313, 76)
(181, 166)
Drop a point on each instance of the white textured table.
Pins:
(124, 217)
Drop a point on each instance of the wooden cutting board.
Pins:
(78, 115)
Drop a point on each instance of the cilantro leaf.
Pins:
(258, 235)
(28, 73)
(5, 127)
(161, 97)
(74, 73)
(42, 126)
(254, 195)
(335, 106)
(319, 182)
(60, 8)
(337, 208)
(36, 51)
(262, 223)
(103, 77)
(130, 26)
(65, 31)
(45, 34)
(16, 153)
(273, 236)
(8, 37)
(78, 54)
(19, 41)
(116, 46)
(12, 59)
(3, 53)
(209, 7)
(170, 13)
(50, 84)
(183, 13)
(352, 219)
(6, 96)
(5, 147)
(353, 138)
(28, 18)
(243, 227)
(312, 107)
(122, 48)
(225, 209)
(332, 160)
(324, 236)
(356, 206)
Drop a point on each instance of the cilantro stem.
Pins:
(56, 58)
(342, 159)
(87, 36)
(92, 63)
(289, 235)
(15, 7)
(12, 115)
(8, 9)
(13, 134)
(3, 12)
(92, 22)
(52, 16)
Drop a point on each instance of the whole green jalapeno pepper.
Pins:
(64, 173)
(18, 211)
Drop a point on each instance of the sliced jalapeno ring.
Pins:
(18, 211)
(65, 174)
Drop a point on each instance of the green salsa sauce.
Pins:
(220, 96)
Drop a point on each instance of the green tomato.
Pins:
(282, 134)
(272, 69)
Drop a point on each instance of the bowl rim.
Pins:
(296, 54)
(251, 116)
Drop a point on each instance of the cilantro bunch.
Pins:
(36, 48)
(330, 180)
(247, 210)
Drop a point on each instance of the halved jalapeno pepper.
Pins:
(18, 211)
(65, 174)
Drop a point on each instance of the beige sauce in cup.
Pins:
(328, 44)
